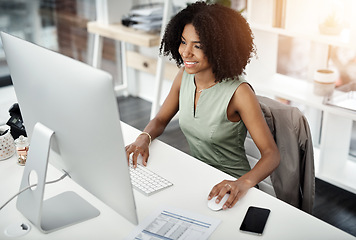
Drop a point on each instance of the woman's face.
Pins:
(191, 52)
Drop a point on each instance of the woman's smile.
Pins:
(189, 64)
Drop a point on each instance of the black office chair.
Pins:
(294, 179)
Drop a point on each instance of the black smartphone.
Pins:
(255, 220)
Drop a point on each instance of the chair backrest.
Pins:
(294, 179)
(253, 155)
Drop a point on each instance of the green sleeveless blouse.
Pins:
(211, 136)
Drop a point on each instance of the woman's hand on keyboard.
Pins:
(139, 147)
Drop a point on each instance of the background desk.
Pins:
(192, 182)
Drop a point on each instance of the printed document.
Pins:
(171, 223)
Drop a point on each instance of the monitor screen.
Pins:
(78, 103)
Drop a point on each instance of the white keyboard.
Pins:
(146, 181)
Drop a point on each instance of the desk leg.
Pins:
(158, 87)
(127, 73)
(120, 52)
(97, 52)
(334, 148)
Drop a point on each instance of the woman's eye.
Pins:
(197, 46)
(182, 41)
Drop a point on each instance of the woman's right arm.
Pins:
(157, 125)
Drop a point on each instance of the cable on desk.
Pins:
(34, 185)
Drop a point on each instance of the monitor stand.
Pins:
(59, 211)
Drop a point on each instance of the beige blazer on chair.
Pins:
(294, 179)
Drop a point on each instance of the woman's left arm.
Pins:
(245, 103)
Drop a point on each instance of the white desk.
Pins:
(192, 182)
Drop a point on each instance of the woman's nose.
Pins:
(187, 52)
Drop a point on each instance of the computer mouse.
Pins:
(217, 206)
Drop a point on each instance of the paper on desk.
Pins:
(346, 100)
(172, 223)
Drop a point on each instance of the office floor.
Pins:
(332, 204)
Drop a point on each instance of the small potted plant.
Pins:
(331, 25)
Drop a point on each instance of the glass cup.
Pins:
(22, 146)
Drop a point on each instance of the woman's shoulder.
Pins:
(233, 82)
(243, 95)
(239, 79)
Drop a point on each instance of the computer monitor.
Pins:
(71, 107)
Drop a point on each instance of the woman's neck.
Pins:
(204, 79)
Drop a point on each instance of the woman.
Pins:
(216, 105)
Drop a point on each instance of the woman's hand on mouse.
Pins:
(237, 190)
(139, 147)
